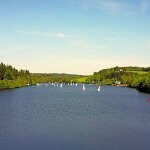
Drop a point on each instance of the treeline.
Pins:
(62, 77)
(136, 77)
(13, 78)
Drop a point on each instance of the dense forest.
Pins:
(136, 77)
(13, 78)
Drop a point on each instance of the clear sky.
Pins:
(74, 36)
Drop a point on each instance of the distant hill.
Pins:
(61, 77)
(58, 74)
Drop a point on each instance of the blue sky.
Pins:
(74, 36)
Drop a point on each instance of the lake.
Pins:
(67, 118)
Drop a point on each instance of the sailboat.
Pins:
(83, 87)
(46, 85)
(76, 84)
(38, 84)
(61, 85)
(99, 88)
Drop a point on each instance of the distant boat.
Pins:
(99, 88)
(52, 83)
(76, 84)
(46, 85)
(28, 84)
(83, 87)
(61, 85)
(38, 84)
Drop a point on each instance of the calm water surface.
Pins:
(53, 118)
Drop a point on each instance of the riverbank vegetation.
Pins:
(13, 78)
(136, 77)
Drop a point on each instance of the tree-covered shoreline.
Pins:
(12, 78)
(135, 77)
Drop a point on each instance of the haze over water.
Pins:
(71, 119)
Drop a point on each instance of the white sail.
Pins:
(99, 88)
(46, 85)
(76, 84)
(83, 87)
(38, 84)
(61, 85)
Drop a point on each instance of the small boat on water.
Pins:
(76, 84)
(61, 85)
(83, 87)
(99, 88)
(38, 84)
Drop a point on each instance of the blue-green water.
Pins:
(54, 118)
